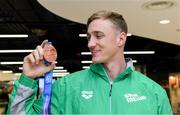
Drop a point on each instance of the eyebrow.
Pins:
(95, 32)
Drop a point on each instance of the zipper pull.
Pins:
(110, 91)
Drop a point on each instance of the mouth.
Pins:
(95, 52)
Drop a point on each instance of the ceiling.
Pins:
(141, 20)
(30, 17)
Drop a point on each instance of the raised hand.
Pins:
(33, 65)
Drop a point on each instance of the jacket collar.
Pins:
(100, 70)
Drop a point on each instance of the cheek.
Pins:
(111, 44)
(111, 49)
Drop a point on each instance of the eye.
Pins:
(88, 37)
(99, 35)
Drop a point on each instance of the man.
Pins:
(110, 86)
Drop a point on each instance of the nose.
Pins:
(91, 43)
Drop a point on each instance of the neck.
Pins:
(114, 68)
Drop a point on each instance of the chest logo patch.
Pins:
(87, 94)
(133, 97)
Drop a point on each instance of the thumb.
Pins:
(50, 67)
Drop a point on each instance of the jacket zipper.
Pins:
(110, 98)
(110, 92)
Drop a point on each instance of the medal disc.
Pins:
(50, 53)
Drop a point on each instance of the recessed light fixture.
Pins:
(164, 21)
(158, 4)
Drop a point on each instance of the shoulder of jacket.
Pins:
(147, 82)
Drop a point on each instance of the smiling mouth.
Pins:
(94, 52)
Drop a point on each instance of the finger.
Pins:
(48, 68)
(52, 66)
(40, 51)
(36, 56)
(29, 58)
(43, 43)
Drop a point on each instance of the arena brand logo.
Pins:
(134, 97)
(87, 94)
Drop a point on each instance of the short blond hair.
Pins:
(115, 18)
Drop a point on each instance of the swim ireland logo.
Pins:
(134, 97)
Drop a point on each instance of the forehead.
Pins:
(100, 25)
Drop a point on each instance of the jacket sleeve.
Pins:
(164, 107)
(23, 97)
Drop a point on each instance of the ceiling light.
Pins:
(14, 36)
(139, 52)
(7, 71)
(158, 5)
(20, 68)
(126, 52)
(11, 63)
(172, 77)
(59, 67)
(62, 70)
(129, 34)
(89, 62)
(85, 35)
(14, 63)
(85, 67)
(86, 53)
(82, 35)
(86, 61)
(17, 74)
(60, 74)
(38, 31)
(164, 21)
(15, 51)
(134, 61)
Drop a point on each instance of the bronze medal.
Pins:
(50, 53)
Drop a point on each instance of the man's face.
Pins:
(102, 43)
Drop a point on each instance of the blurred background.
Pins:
(153, 39)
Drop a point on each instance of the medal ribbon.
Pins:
(47, 90)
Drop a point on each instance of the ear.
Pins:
(121, 40)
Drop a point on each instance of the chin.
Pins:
(95, 61)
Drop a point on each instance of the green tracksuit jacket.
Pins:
(91, 92)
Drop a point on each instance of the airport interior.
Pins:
(153, 39)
